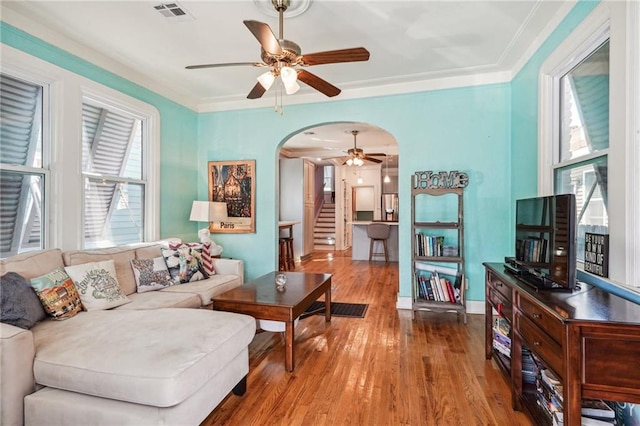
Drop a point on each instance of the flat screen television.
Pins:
(545, 241)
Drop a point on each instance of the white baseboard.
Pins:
(473, 306)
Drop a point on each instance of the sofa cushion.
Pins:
(154, 357)
(149, 252)
(208, 288)
(122, 257)
(19, 303)
(150, 274)
(32, 264)
(97, 285)
(58, 294)
(160, 299)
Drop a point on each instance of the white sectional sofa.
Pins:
(149, 361)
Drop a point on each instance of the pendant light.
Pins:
(386, 179)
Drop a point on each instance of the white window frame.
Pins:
(64, 185)
(150, 154)
(618, 22)
(43, 171)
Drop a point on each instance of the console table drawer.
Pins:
(540, 343)
(541, 318)
(499, 287)
(504, 307)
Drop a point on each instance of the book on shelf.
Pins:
(597, 408)
(502, 337)
(558, 420)
(434, 286)
(430, 245)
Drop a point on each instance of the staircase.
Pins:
(324, 233)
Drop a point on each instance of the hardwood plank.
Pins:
(384, 369)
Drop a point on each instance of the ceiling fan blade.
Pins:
(317, 83)
(229, 64)
(265, 36)
(373, 160)
(355, 54)
(257, 91)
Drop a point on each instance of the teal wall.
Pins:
(178, 132)
(524, 106)
(464, 129)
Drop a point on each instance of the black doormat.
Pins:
(351, 310)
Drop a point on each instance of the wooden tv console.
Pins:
(589, 338)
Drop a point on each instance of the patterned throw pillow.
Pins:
(184, 262)
(97, 285)
(151, 274)
(58, 294)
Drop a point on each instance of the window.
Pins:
(22, 171)
(114, 176)
(588, 130)
(583, 145)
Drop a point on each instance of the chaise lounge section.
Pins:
(149, 361)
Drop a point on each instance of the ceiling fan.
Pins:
(282, 56)
(357, 155)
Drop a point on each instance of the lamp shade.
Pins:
(208, 211)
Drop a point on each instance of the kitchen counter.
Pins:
(360, 242)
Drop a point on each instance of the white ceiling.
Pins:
(413, 45)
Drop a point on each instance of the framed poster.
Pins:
(234, 183)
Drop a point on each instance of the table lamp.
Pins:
(208, 211)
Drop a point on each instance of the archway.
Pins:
(305, 183)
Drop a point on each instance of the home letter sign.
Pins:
(441, 180)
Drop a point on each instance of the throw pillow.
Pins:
(19, 303)
(184, 262)
(97, 285)
(58, 294)
(150, 274)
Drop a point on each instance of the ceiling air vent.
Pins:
(174, 12)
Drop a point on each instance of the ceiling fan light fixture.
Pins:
(349, 162)
(288, 75)
(266, 79)
(358, 161)
(291, 87)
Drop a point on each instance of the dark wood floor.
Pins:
(384, 369)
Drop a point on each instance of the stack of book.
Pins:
(549, 393)
(600, 415)
(530, 367)
(594, 412)
(436, 287)
(502, 337)
(429, 246)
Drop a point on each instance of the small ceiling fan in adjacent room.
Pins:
(283, 57)
(357, 157)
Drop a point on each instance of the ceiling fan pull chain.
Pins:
(281, 108)
(275, 99)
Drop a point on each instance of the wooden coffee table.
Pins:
(260, 299)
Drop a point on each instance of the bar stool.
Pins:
(282, 253)
(286, 262)
(378, 232)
